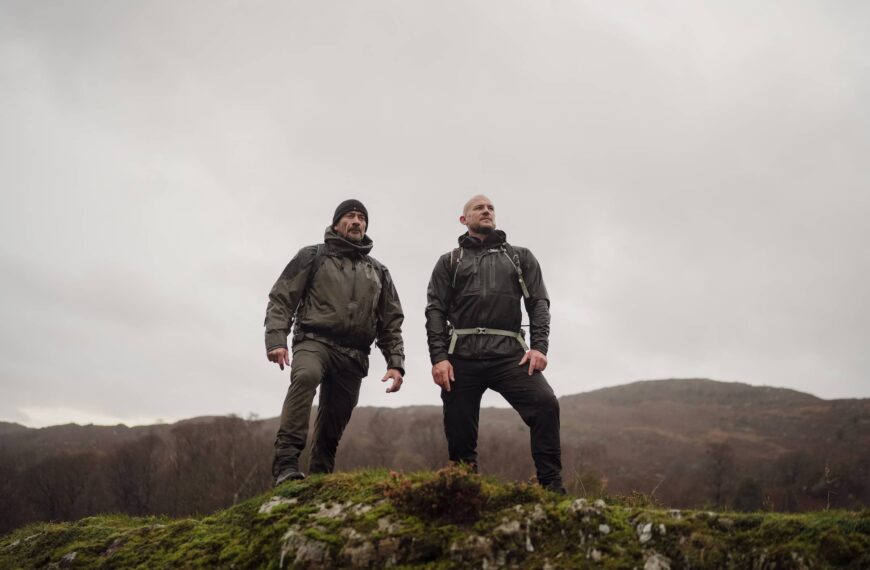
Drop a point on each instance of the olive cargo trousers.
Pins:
(531, 396)
(339, 377)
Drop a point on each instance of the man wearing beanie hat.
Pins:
(350, 206)
(338, 300)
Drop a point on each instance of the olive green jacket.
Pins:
(349, 302)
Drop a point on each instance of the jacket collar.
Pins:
(494, 239)
(341, 245)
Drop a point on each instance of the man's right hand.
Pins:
(279, 355)
(442, 374)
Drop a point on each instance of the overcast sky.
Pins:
(693, 177)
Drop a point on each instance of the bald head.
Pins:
(472, 201)
(478, 216)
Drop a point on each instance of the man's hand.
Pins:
(396, 375)
(442, 374)
(279, 355)
(536, 359)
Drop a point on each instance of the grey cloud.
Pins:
(691, 176)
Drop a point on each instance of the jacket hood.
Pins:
(339, 243)
(495, 239)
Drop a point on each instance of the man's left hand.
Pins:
(536, 359)
(396, 375)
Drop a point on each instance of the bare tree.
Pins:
(790, 470)
(192, 472)
(506, 455)
(244, 467)
(720, 466)
(58, 485)
(427, 440)
(11, 504)
(383, 430)
(133, 474)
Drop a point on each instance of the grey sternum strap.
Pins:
(483, 330)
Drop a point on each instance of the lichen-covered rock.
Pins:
(644, 532)
(656, 561)
(595, 555)
(359, 555)
(472, 549)
(333, 510)
(113, 548)
(538, 514)
(509, 530)
(12, 545)
(305, 551)
(67, 560)
(388, 524)
(390, 551)
(274, 502)
(579, 505)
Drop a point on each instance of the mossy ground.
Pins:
(448, 519)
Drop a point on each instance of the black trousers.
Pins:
(531, 396)
(339, 377)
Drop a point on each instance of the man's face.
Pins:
(352, 226)
(479, 215)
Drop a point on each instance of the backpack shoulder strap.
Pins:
(319, 257)
(455, 260)
(379, 267)
(514, 258)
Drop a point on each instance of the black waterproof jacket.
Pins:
(482, 290)
(350, 302)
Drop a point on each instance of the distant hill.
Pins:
(8, 427)
(659, 433)
(686, 443)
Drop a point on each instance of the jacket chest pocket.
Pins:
(467, 279)
(368, 290)
(502, 275)
(490, 273)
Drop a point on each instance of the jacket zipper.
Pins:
(353, 286)
(487, 269)
(353, 290)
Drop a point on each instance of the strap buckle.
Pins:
(481, 330)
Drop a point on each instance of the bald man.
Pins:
(473, 324)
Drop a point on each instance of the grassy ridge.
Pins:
(448, 519)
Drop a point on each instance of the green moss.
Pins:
(243, 537)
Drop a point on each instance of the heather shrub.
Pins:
(453, 495)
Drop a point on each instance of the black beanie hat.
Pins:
(349, 206)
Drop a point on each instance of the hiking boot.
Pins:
(470, 465)
(555, 487)
(290, 474)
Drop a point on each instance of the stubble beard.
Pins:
(355, 240)
(485, 230)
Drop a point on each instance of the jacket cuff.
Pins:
(276, 339)
(396, 361)
(539, 348)
(438, 357)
